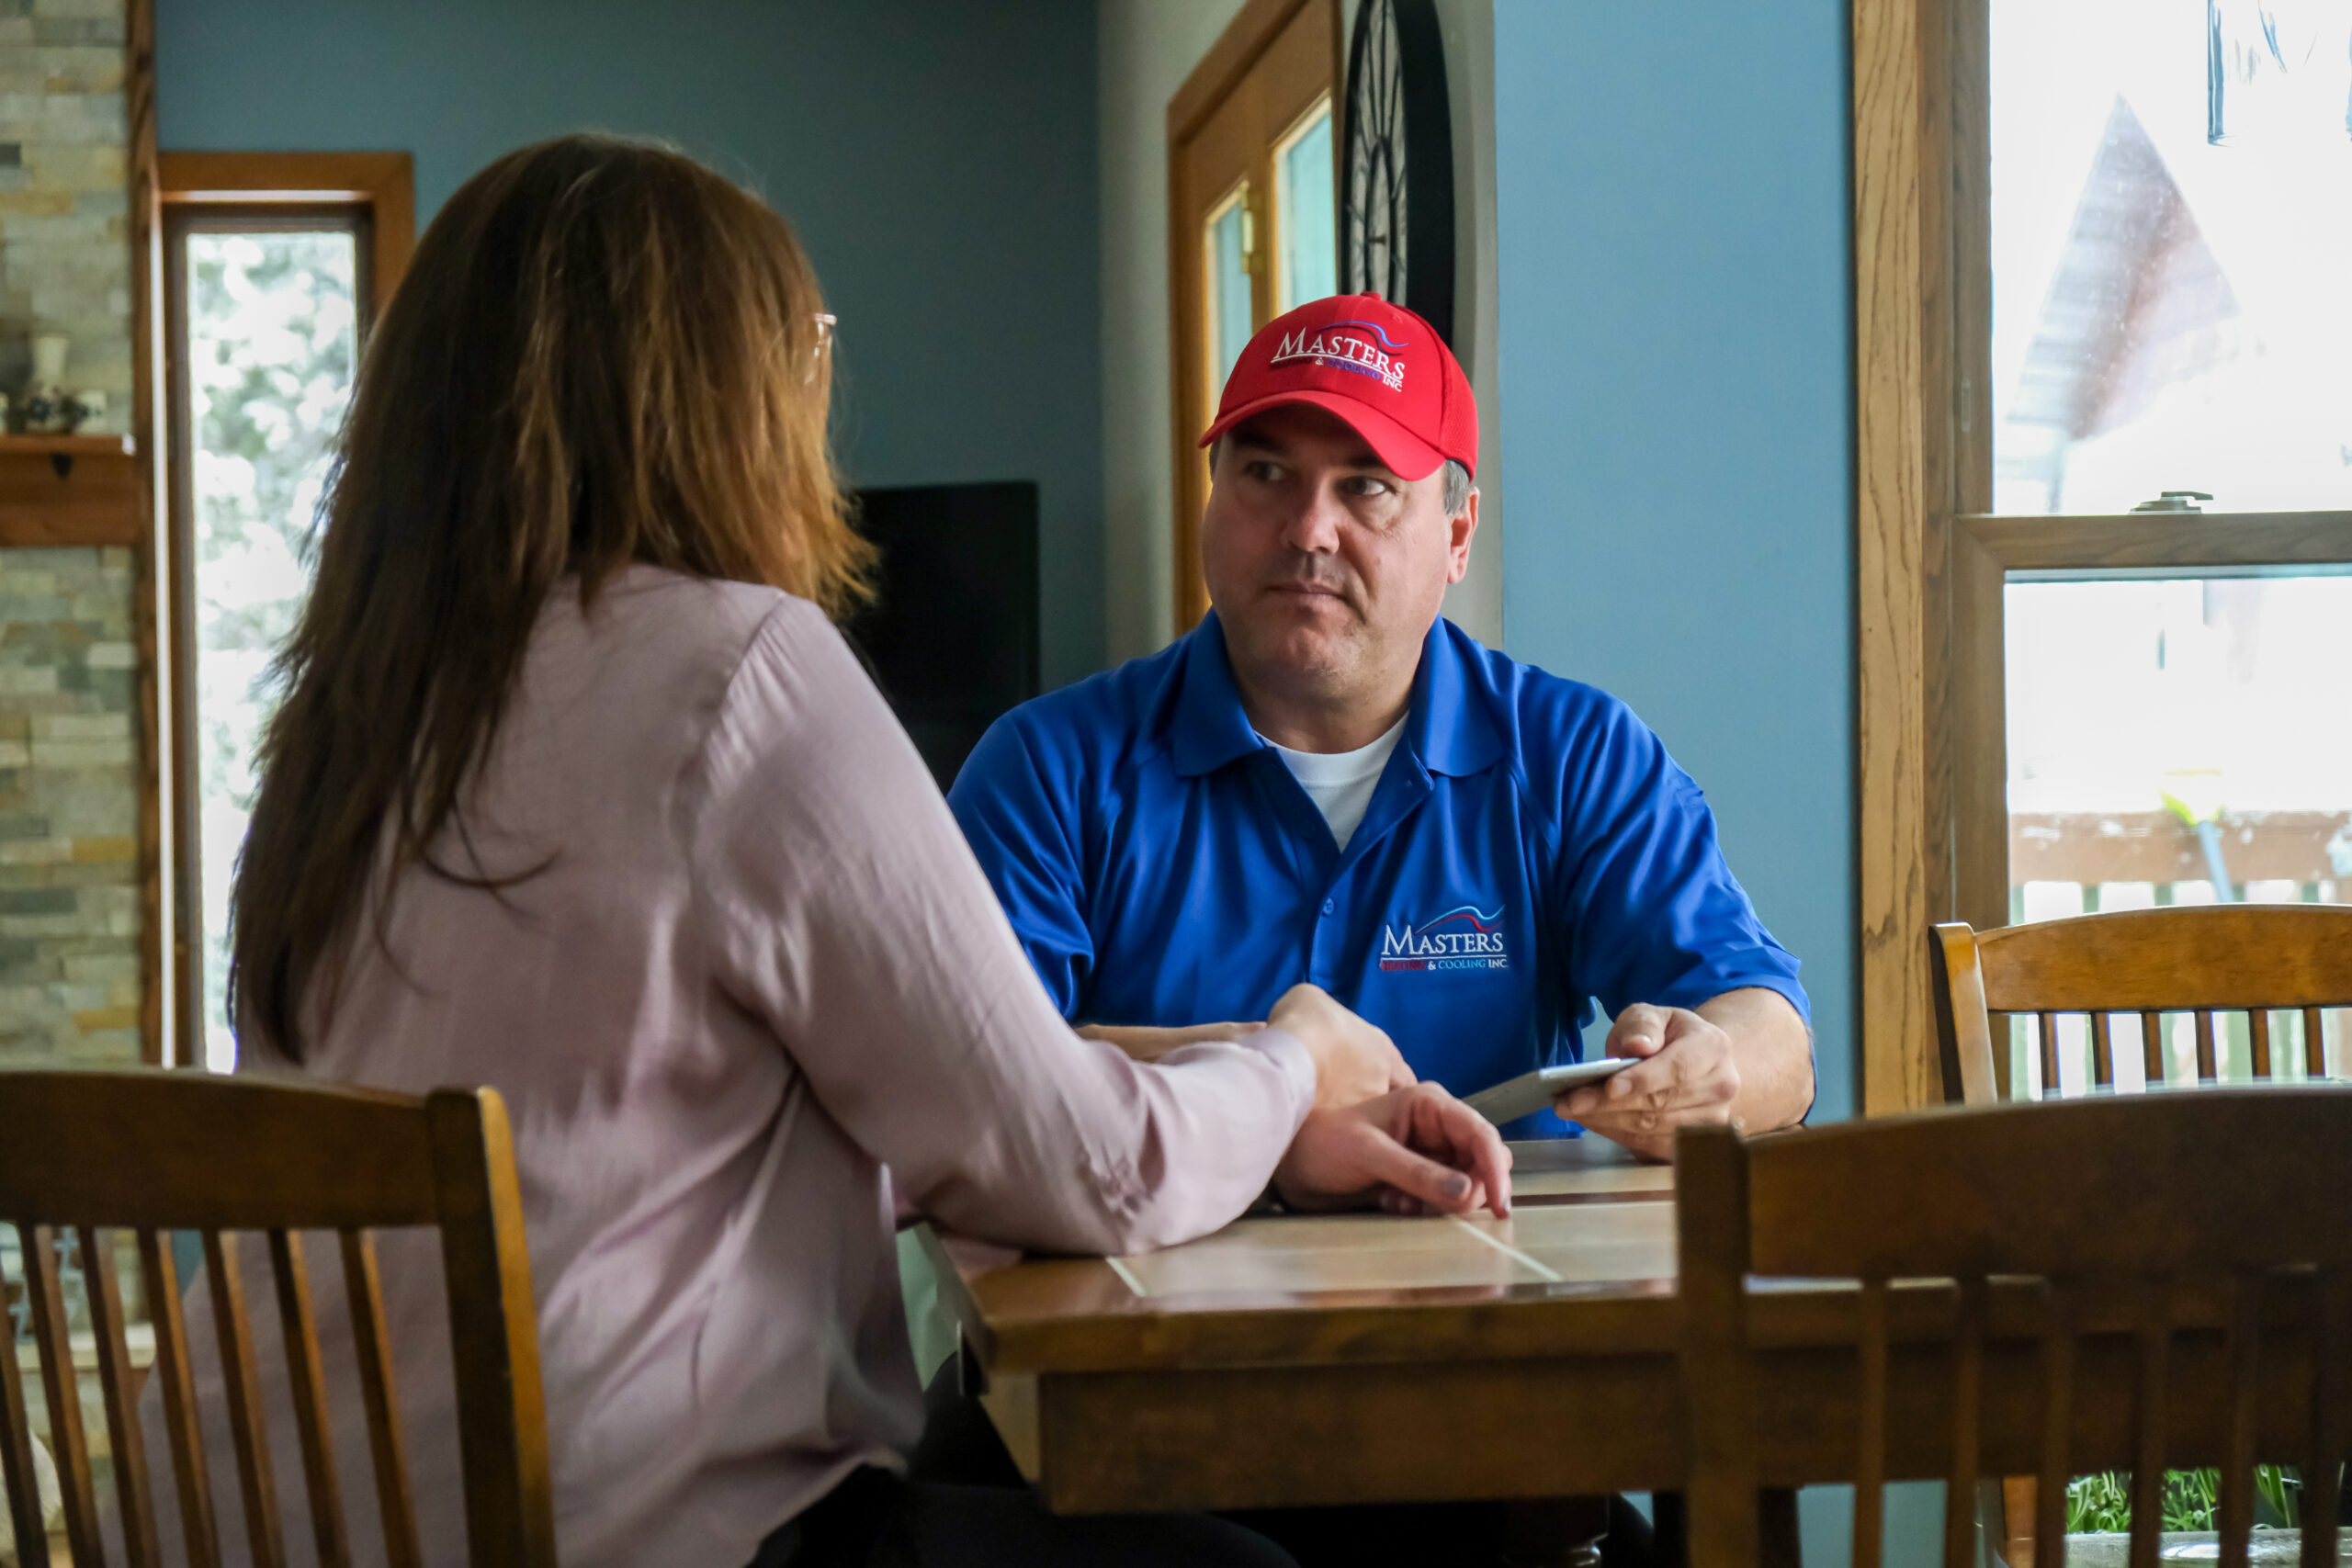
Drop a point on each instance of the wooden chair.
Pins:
(154, 1153)
(2249, 958)
(2184, 1260)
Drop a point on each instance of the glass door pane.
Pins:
(1229, 247)
(2171, 234)
(2178, 741)
(272, 349)
(1307, 213)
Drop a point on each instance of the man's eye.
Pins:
(1365, 485)
(1265, 472)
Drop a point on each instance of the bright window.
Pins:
(2170, 310)
(270, 314)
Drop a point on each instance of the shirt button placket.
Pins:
(1318, 961)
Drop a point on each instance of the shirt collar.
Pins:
(1447, 728)
(1209, 730)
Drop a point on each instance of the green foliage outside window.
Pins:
(2192, 1500)
(273, 346)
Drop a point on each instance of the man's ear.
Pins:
(1461, 526)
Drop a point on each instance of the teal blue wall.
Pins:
(1675, 269)
(939, 160)
(1675, 299)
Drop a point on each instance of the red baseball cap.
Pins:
(1378, 365)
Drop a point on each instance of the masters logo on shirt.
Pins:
(1463, 938)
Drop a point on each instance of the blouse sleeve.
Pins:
(848, 914)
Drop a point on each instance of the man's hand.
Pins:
(1417, 1146)
(1354, 1060)
(1742, 1058)
(1148, 1043)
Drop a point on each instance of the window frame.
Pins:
(373, 194)
(1931, 556)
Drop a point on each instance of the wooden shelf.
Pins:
(66, 445)
(82, 491)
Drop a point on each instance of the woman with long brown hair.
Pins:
(575, 791)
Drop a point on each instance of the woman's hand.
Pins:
(1354, 1060)
(1413, 1150)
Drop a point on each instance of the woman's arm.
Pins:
(850, 917)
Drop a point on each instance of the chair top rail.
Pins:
(2203, 957)
(2163, 1182)
(152, 1149)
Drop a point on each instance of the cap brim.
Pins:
(1407, 455)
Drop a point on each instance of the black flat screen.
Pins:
(952, 635)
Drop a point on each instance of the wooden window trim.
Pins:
(1985, 550)
(1931, 561)
(377, 189)
(1923, 413)
(384, 183)
(1244, 41)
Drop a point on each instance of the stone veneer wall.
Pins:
(69, 874)
(69, 894)
(64, 194)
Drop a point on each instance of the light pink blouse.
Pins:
(759, 966)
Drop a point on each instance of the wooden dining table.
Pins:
(1318, 1359)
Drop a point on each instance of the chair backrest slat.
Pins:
(2323, 1465)
(362, 1286)
(2243, 1353)
(1967, 1419)
(2151, 1352)
(21, 1481)
(2151, 1047)
(307, 1371)
(1711, 1240)
(2257, 1029)
(1870, 1436)
(2207, 1069)
(2049, 1021)
(2315, 1042)
(119, 1386)
(1963, 1024)
(241, 1379)
(190, 1475)
(2102, 1051)
(494, 1332)
(2057, 1419)
(68, 1445)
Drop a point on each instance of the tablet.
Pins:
(1530, 1092)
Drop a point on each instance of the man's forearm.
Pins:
(1774, 1052)
(1148, 1043)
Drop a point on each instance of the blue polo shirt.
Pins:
(1529, 850)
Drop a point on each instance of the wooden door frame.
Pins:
(1238, 49)
(380, 187)
(1922, 457)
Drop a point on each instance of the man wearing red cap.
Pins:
(1326, 781)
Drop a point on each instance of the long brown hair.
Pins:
(601, 353)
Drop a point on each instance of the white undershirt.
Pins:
(1340, 783)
